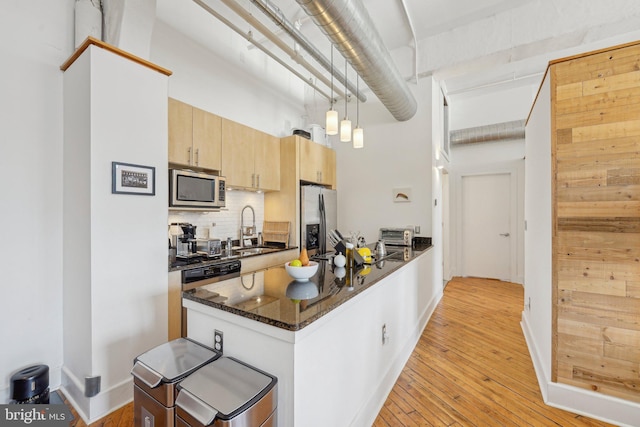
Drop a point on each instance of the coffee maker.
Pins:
(187, 249)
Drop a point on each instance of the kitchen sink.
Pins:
(256, 250)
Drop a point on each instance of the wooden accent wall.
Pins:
(595, 120)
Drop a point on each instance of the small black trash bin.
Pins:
(30, 385)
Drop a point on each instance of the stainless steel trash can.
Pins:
(156, 374)
(227, 393)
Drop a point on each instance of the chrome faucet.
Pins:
(247, 231)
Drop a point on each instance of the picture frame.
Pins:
(127, 178)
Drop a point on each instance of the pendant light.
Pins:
(331, 125)
(345, 124)
(358, 132)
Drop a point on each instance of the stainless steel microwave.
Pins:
(190, 189)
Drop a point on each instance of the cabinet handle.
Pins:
(189, 159)
(197, 156)
(253, 180)
(258, 181)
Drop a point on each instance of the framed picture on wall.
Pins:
(133, 179)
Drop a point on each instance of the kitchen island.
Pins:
(337, 343)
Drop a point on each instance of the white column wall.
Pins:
(115, 245)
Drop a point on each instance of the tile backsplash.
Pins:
(227, 221)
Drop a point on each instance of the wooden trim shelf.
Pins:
(99, 43)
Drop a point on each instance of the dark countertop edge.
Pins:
(222, 259)
(301, 325)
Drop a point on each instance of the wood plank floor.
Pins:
(471, 367)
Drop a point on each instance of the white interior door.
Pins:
(486, 226)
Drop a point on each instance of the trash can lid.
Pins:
(226, 386)
(177, 358)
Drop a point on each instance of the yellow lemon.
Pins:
(365, 253)
(295, 263)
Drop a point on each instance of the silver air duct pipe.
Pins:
(276, 15)
(489, 133)
(348, 25)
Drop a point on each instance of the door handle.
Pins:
(505, 234)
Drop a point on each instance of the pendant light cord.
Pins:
(357, 102)
(345, 89)
(331, 100)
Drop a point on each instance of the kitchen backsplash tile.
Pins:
(228, 220)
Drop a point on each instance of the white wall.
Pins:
(395, 155)
(489, 107)
(208, 81)
(35, 39)
(537, 206)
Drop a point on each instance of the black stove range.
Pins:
(210, 273)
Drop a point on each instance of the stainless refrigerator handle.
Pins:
(322, 244)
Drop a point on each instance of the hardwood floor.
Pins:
(471, 367)
(122, 417)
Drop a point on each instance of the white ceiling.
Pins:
(518, 58)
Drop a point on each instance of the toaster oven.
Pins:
(209, 247)
(396, 236)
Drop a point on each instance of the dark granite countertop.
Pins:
(270, 296)
(237, 253)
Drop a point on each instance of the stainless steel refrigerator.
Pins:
(318, 215)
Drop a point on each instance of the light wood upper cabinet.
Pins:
(180, 132)
(195, 136)
(250, 158)
(207, 139)
(267, 162)
(317, 163)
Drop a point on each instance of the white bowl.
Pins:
(302, 273)
(301, 290)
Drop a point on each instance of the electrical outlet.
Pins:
(417, 229)
(218, 342)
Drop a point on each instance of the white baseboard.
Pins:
(368, 413)
(536, 358)
(96, 407)
(601, 407)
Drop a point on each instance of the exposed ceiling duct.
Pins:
(490, 133)
(350, 28)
